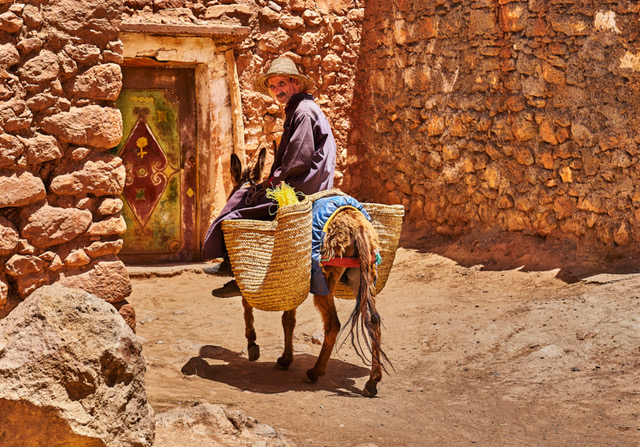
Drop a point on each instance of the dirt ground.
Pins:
(494, 341)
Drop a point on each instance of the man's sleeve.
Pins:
(298, 154)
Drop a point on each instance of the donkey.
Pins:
(349, 235)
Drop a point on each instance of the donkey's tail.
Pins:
(364, 323)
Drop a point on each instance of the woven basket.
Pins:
(271, 261)
(387, 221)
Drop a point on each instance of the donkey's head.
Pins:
(250, 174)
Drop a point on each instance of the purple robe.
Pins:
(305, 160)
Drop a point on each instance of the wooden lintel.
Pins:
(219, 33)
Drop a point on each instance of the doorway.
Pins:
(158, 150)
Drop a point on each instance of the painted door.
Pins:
(159, 154)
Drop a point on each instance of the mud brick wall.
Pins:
(321, 36)
(517, 115)
(59, 211)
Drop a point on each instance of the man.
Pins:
(305, 159)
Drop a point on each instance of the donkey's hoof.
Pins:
(310, 377)
(370, 390)
(283, 363)
(254, 353)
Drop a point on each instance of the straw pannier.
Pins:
(271, 261)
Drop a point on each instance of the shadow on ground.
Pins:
(232, 368)
(498, 250)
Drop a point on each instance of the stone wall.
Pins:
(517, 115)
(59, 211)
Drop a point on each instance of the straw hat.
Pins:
(283, 66)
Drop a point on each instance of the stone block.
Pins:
(9, 55)
(513, 17)
(41, 148)
(91, 125)
(8, 237)
(45, 226)
(101, 175)
(10, 23)
(108, 279)
(110, 226)
(101, 82)
(20, 189)
(10, 149)
(483, 22)
(41, 68)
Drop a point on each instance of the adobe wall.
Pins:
(517, 115)
(59, 211)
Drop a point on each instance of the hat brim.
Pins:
(262, 87)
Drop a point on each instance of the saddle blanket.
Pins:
(324, 210)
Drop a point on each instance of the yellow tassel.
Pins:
(283, 194)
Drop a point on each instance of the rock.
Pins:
(28, 272)
(20, 189)
(110, 226)
(41, 101)
(85, 54)
(31, 16)
(77, 258)
(90, 125)
(101, 175)
(10, 23)
(127, 312)
(10, 149)
(30, 45)
(109, 205)
(80, 17)
(107, 279)
(207, 424)
(41, 68)
(9, 55)
(8, 237)
(99, 249)
(45, 226)
(72, 371)
(102, 82)
(41, 148)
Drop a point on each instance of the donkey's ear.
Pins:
(236, 169)
(256, 173)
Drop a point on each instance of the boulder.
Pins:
(207, 424)
(72, 372)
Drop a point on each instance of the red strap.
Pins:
(347, 261)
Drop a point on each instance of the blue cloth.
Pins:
(323, 209)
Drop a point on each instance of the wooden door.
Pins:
(159, 153)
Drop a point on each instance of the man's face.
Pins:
(282, 88)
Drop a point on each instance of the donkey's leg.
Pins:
(373, 324)
(252, 348)
(288, 324)
(327, 308)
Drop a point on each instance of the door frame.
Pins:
(219, 126)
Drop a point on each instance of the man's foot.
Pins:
(229, 290)
(222, 269)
